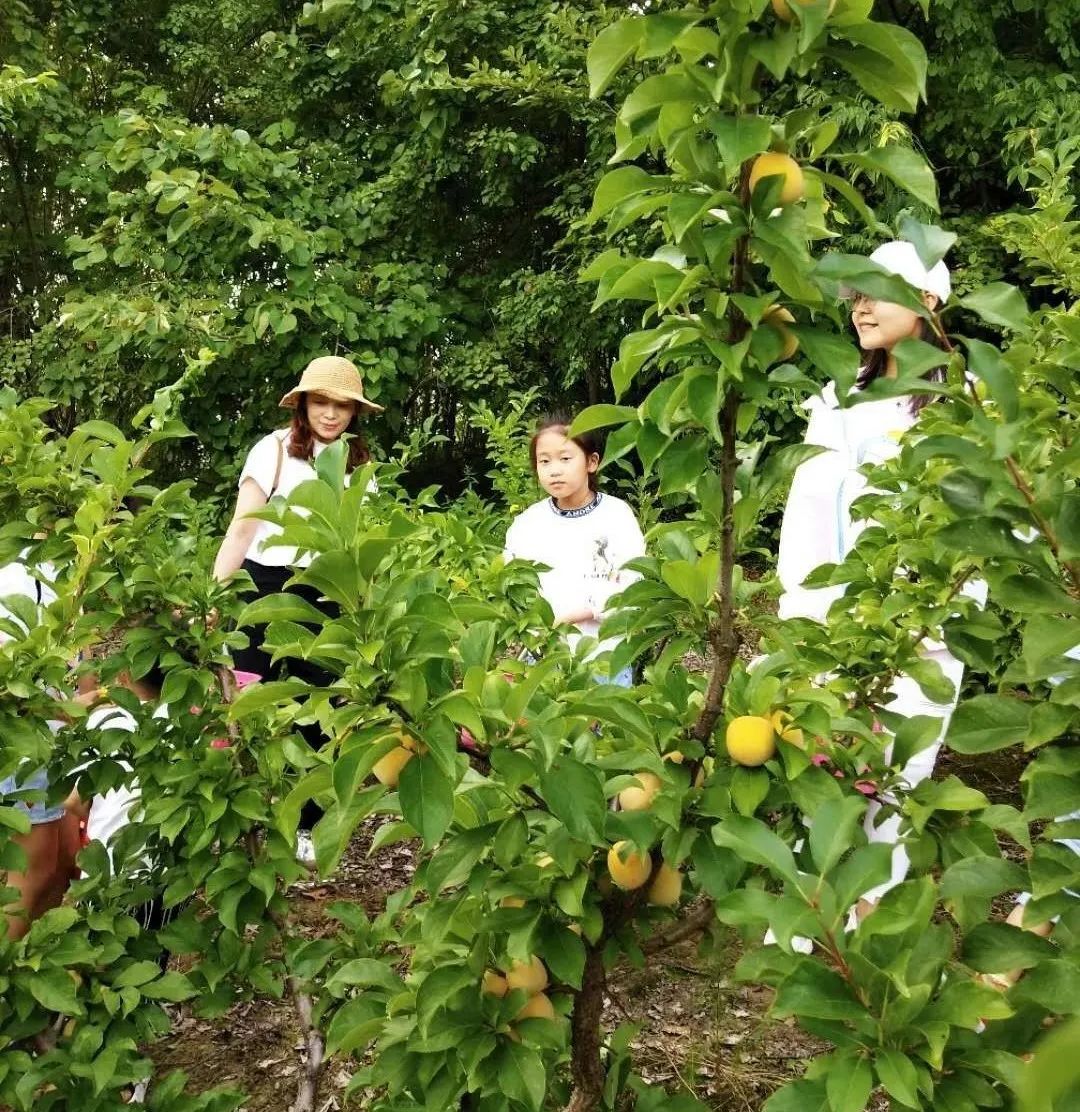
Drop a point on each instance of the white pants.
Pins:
(909, 701)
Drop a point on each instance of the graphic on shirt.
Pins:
(602, 566)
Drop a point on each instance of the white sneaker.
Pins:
(305, 849)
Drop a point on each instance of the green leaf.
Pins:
(564, 954)
(427, 798)
(816, 992)
(931, 243)
(749, 787)
(799, 1096)
(285, 607)
(522, 1076)
(848, 1082)
(616, 185)
(611, 50)
(897, 1073)
(834, 830)
(600, 416)
(1053, 1072)
(259, 696)
(836, 356)
(999, 303)
(755, 842)
(575, 794)
(987, 723)
(172, 987)
(982, 877)
(986, 363)
(355, 1024)
(1000, 947)
(366, 973)
(888, 61)
(1067, 526)
(901, 165)
(53, 989)
(838, 273)
(740, 138)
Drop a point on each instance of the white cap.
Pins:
(900, 258)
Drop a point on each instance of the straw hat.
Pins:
(333, 376)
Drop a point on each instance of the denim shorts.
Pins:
(39, 813)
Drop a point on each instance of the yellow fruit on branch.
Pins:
(774, 164)
(781, 722)
(494, 984)
(675, 756)
(640, 799)
(387, 770)
(785, 13)
(666, 887)
(407, 741)
(529, 975)
(630, 871)
(750, 740)
(776, 316)
(538, 1006)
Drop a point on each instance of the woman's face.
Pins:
(328, 417)
(883, 324)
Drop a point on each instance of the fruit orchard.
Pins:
(582, 827)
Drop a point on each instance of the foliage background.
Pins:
(226, 189)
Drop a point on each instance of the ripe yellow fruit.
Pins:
(750, 740)
(629, 873)
(511, 901)
(640, 799)
(529, 975)
(538, 1006)
(773, 164)
(666, 887)
(791, 734)
(675, 756)
(387, 770)
(776, 316)
(786, 15)
(494, 984)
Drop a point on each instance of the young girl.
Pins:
(583, 536)
(818, 528)
(327, 403)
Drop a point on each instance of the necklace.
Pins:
(581, 511)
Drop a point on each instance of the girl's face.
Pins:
(328, 417)
(883, 324)
(564, 469)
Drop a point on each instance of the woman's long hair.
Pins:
(302, 437)
(877, 363)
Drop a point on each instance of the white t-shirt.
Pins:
(15, 579)
(585, 553)
(111, 812)
(817, 527)
(260, 465)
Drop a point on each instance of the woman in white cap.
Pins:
(818, 527)
(327, 403)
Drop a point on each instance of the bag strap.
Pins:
(277, 469)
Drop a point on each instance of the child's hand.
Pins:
(575, 617)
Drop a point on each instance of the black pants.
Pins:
(271, 581)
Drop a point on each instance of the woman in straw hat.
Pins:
(326, 404)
